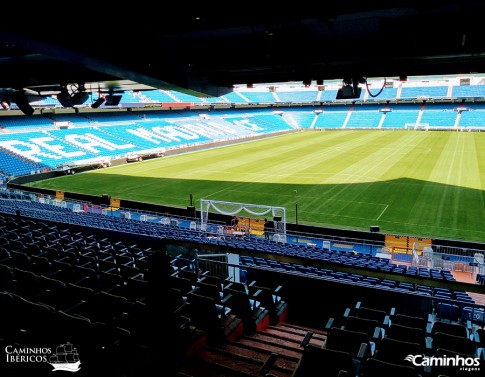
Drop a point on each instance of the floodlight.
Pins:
(350, 88)
(22, 102)
(112, 100)
(101, 99)
(76, 98)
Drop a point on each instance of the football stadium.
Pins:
(287, 228)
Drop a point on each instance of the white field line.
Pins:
(384, 210)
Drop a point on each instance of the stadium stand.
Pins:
(79, 269)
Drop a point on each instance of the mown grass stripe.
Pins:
(407, 182)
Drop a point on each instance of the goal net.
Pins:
(250, 215)
(416, 126)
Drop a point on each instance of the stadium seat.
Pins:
(204, 315)
(136, 288)
(453, 343)
(411, 321)
(6, 277)
(447, 370)
(214, 292)
(211, 279)
(407, 334)
(25, 283)
(374, 367)
(8, 328)
(110, 281)
(102, 307)
(182, 284)
(72, 327)
(316, 360)
(373, 314)
(41, 265)
(449, 328)
(4, 256)
(357, 344)
(246, 307)
(20, 260)
(474, 315)
(270, 299)
(187, 273)
(395, 352)
(447, 311)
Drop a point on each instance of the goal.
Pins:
(416, 126)
(253, 211)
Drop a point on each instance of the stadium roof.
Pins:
(208, 50)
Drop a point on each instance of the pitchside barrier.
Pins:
(401, 247)
(247, 225)
(435, 260)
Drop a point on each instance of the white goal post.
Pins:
(250, 210)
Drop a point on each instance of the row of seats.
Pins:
(256, 306)
(25, 323)
(80, 266)
(448, 304)
(250, 261)
(364, 261)
(82, 305)
(368, 341)
(109, 304)
(52, 213)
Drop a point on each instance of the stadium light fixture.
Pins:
(101, 99)
(77, 97)
(113, 99)
(350, 88)
(22, 102)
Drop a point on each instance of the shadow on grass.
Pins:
(400, 206)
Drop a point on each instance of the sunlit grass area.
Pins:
(407, 182)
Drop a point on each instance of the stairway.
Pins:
(275, 350)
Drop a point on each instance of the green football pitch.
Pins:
(417, 183)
